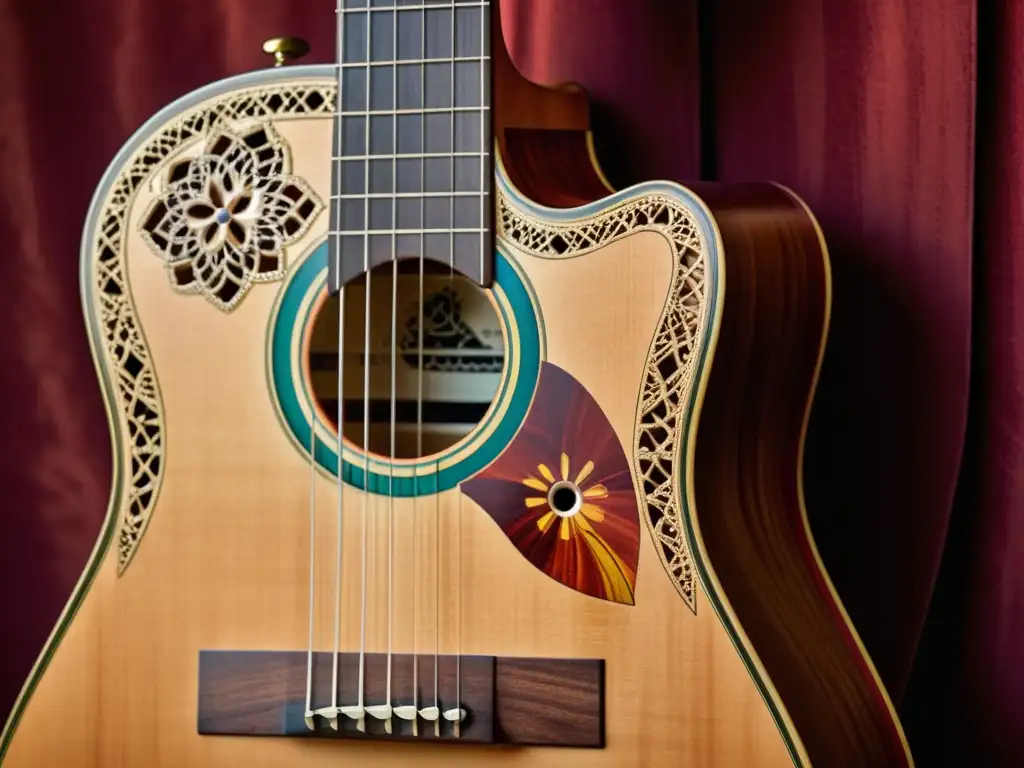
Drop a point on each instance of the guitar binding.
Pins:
(138, 392)
(668, 371)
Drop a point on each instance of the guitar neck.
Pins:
(412, 158)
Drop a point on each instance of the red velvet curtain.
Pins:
(870, 109)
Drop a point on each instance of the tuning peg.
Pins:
(284, 49)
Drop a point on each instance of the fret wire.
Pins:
(441, 231)
(406, 195)
(456, 168)
(411, 156)
(415, 62)
(415, 111)
(379, 8)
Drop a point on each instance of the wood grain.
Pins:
(778, 302)
(225, 563)
(865, 108)
(518, 702)
(748, 485)
(543, 134)
(761, 674)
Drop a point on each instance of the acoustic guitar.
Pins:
(432, 449)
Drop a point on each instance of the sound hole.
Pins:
(443, 389)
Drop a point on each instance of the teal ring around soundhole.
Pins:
(512, 402)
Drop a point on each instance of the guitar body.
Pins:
(657, 350)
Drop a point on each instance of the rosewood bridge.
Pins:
(505, 700)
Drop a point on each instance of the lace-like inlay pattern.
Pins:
(224, 218)
(669, 369)
(131, 369)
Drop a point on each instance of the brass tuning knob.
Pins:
(284, 49)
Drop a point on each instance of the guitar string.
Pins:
(340, 414)
(312, 571)
(312, 452)
(341, 495)
(451, 277)
(485, 54)
(391, 485)
(366, 397)
(437, 463)
(394, 374)
(437, 595)
(437, 566)
(419, 376)
(416, 496)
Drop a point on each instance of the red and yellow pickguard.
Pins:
(566, 442)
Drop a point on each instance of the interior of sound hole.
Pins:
(460, 366)
(563, 499)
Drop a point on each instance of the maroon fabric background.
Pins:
(993, 669)
(864, 107)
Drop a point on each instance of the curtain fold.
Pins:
(866, 108)
(980, 633)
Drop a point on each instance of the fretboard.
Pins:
(412, 172)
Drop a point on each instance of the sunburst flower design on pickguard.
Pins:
(563, 493)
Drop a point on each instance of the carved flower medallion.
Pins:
(224, 218)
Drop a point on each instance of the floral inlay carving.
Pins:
(224, 218)
(113, 320)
